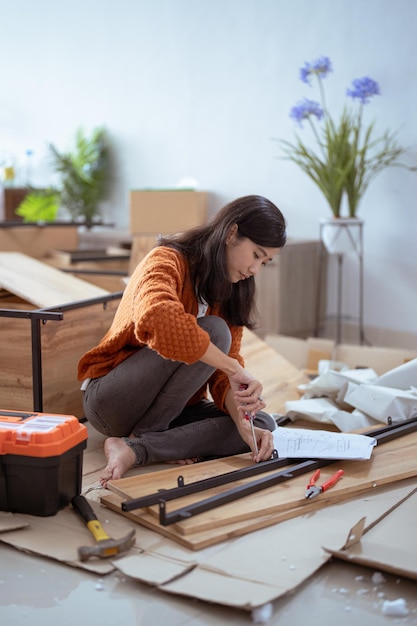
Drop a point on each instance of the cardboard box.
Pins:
(40, 461)
(306, 353)
(37, 241)
(166, 211)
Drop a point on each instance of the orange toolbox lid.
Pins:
(39, 434)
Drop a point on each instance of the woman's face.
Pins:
(244, 258)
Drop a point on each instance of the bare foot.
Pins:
(120, 457)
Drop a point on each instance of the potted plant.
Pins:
(347, 155)
(84, 182)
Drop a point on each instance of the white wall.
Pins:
(200, 87)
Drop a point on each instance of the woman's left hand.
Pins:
(265, 441)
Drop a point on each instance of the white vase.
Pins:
(341, 235)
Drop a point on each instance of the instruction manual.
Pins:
(301, 443)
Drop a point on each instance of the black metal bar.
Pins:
(32, 314)
(37, 388)
(398, 429)
(339, 298)
(319, 294)
(361, 290)
(74, 270)
(83, 303)
(21, 224)
(381, 435)
(234, 494)
(206, 483)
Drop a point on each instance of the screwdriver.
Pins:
(249, 417)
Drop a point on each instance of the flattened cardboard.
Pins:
(388, 544)
(10, 521)
(268, 563)
(59, 537)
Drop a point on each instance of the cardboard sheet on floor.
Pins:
(42, 285)
(243, 572)
(264, 565)
(389, 544)
(58, 537)
(10, 521)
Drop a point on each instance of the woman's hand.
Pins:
(264, 440)
(247, 395)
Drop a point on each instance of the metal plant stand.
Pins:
(339, 237)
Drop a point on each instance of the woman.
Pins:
(177, 331)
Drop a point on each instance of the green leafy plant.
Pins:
(347, 155)
(84, 175)
(40, 205)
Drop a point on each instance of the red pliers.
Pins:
(313, 490)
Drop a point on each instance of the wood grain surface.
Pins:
(40, 284)
(391, 462)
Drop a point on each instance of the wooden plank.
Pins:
(198, 540)
(278, 376)
(141, 245)
(40, 284)
(15, 364)
(390, 462)
(63, 344)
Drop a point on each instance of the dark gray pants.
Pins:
(147, 395)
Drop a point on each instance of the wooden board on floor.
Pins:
(278, 376)
(391, 462)
(40, 284)
(202, 539)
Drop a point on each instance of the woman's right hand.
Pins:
(247, 392)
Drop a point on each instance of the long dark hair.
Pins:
(259, 220)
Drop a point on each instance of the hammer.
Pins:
(105, 546)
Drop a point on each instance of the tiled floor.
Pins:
(38, 591)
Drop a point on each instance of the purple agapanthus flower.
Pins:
(363, 88)
(320, 67)
(303, 109)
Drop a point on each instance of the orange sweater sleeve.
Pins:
(219, 382)
(158, 309)
(164, 308)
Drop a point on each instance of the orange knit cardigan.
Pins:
(159, 309)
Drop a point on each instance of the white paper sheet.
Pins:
(301, 443)
(383, 403)
(353, 399)
(402, 377)
(331, 382)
